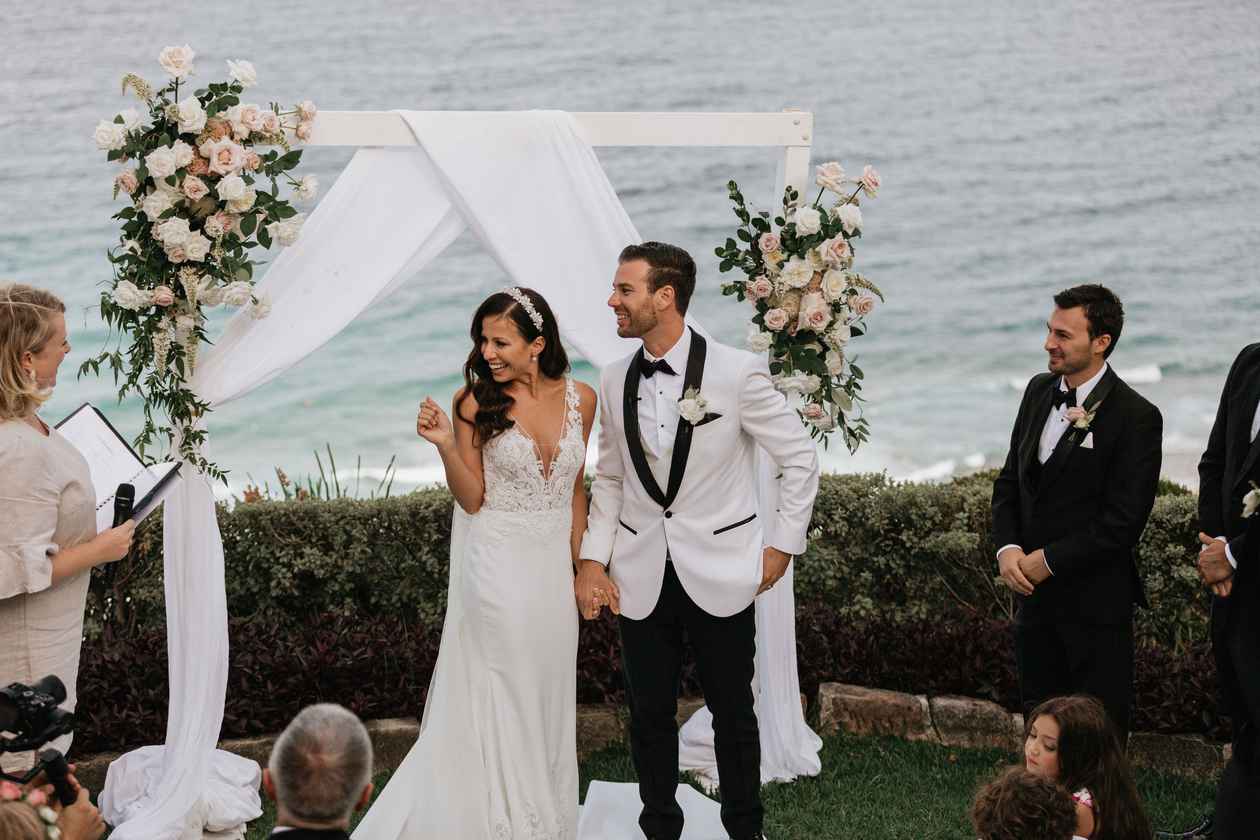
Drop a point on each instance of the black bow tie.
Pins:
(650, 369)
(1061, 397)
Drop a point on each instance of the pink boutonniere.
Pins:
(1080, 418)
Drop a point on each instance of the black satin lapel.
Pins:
(630, 421)
(1032, 433)
(1073, 436)
(1246, 416)
(682, 439)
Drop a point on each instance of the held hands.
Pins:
(594, 591)
(774, 565)
(1214, 568)
(1011, 564)
(433, 425)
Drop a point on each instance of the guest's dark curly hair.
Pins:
(493, 400)
(1019, 805)
(1090, 756)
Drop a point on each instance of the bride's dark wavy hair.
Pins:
(493, 400)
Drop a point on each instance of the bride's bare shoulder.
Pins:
(464, 405)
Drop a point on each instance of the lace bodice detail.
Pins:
(513, 465)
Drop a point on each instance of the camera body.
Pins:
(33, 716)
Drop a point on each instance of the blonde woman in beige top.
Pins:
(48, 539)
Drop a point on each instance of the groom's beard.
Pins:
(638, 324)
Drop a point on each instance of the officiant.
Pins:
(48, 538)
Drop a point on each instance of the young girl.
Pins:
(1070, 740)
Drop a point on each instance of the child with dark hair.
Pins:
(1019, 805)
(1069, 740)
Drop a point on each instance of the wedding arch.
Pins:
(529, 185)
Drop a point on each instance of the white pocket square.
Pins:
(1088, 442)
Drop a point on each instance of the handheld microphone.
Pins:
(124, 501)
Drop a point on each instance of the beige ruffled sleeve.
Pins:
(30, 505)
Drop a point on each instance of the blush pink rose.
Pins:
(303, 131)
(270, 123)
(813, 411)
(760, 288)
(125, 181)
(36, 798)
(225, 157)
(815, 313)
(862, 304)
(306, 111)
(163, 296)
(869, 180)
(195, 188)
(775, 319)
(176, 253)
(1075, 413)
(252, 161)
(199, 166)
(768, 243)
(837, 251)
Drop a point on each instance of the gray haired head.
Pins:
(321, 763)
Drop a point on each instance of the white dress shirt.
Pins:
(1255, 430)
(1056, 425)
(658, 400)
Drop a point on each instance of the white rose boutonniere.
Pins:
(694, 408)
(1251, 501)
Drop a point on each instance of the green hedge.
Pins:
(879, 549)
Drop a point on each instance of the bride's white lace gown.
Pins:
(497, 757)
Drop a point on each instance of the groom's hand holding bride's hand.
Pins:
(433, 425)
(595, 591)
(774, 565)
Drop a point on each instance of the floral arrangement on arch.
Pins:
(196, 207)
(809, 303)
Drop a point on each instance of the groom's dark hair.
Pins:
(671, 266)
(1102, 310)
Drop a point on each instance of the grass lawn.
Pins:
(887, 789)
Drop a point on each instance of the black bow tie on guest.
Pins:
(650, 369)
(1061, 397)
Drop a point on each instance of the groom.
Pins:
(674, 520)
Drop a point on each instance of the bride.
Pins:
(496, 757)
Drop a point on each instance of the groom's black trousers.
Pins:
(724, 650)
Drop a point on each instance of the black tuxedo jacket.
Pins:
(310, 834)
(1086, 506)
(1229, 465)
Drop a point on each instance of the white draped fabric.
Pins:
(536, 197)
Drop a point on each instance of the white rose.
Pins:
(192, 117)
(286, 232)
(243, 72)
(810, 383)
(862, 304)
(1251, 503)
(128, 296)
(308, 187)
(245, 202)
(172, 231)
(808, 221)
(175, 252)
(177, 61)
(797, 273)
(849, 215)
(230, 187)
(109, 136)
(196, 247)
(237, 293)
(261, 309)
(759, 341)
(130, 119)
(183, 153)
(839, 335)
(835, 362)
(834, 283)
(156, 203)
(161, 163)
(789, 384)
(690, 411)
(830, 176)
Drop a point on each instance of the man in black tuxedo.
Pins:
(1069, 506)
(319, 773)
(1228, 564)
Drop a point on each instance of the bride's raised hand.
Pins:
(433, 425)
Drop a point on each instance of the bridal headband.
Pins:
(525, 303)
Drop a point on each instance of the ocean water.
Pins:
(1025, 147)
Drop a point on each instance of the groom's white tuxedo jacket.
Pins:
(695, 498)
